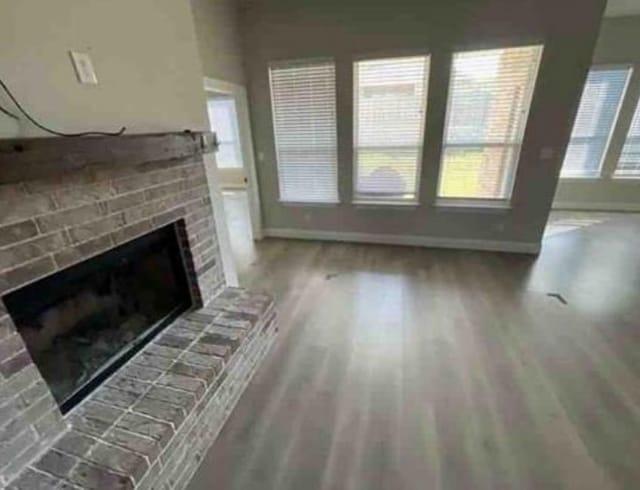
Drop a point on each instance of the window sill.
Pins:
(484, 205)
(301, 204)
(581, 178)
(365, 203)
(613, 178)
(626, 178)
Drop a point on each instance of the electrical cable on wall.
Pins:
(49, 130)
(10, 114)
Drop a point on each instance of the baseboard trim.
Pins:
(628, 207)
(406, 240)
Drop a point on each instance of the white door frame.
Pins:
(239, 93)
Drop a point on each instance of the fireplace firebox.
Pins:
(82, 323)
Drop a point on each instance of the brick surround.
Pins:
(48, 224)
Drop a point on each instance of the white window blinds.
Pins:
(303, 102)
(597, 113)
(489, 97)
(224, 121)
(390, 98)
(629, 163)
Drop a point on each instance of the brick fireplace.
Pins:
(84, 322)
(63, 203)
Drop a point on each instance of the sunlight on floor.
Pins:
(565, 221)
(569, 225)
(236, 206)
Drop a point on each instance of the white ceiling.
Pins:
(617, 8)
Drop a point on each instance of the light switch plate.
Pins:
(84, 68)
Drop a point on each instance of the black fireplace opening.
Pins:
(82, 323)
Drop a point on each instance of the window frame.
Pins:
(635, 101)
(487, 202)
(292, 63)
(379, 201)
(602, 170)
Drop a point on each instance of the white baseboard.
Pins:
(407, 240)
(596, 206)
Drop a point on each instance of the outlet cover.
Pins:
(84, 68)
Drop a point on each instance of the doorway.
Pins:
(227, 108)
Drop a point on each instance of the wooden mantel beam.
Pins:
(35, 158)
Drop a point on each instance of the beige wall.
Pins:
(286, 29)
(219, 40)
(618, 43)
(144, 53)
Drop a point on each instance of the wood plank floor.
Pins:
(408, 368)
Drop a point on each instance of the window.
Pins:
(303, 98)
(594, 122)
(629, 163)
(489, 97)
(389, 107)
(224, 121)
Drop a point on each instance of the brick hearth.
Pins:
(151, 423)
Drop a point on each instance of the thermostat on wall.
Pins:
(84, 68)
